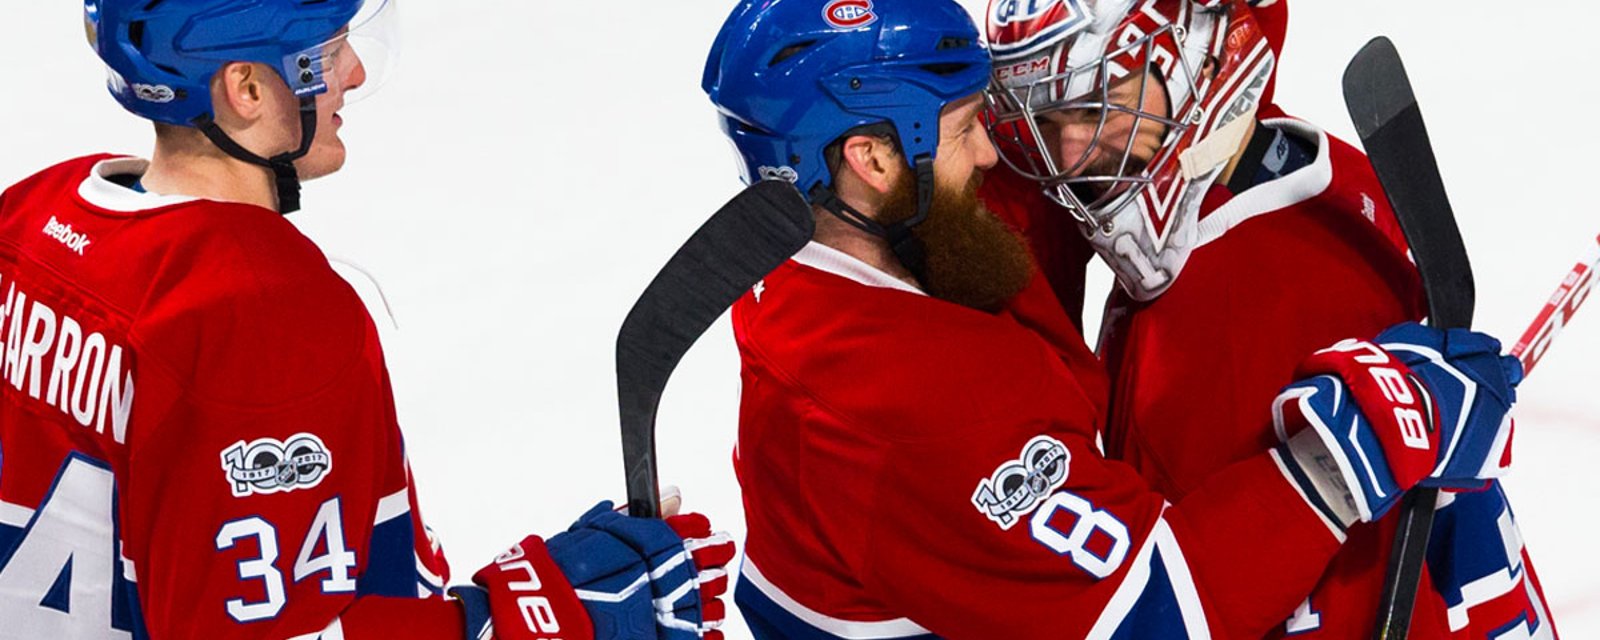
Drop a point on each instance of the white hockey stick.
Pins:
(1572, 293)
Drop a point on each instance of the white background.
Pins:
(534, 163)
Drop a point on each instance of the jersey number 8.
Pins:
(1050, 519)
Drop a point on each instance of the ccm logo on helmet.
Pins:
(847, 14)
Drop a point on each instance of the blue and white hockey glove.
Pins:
(1430, 407)
(1479, 387)
(624, 578)
(664, 573)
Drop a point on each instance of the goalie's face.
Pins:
(1111, 140)
(1097, 134)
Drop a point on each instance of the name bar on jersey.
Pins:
(49, 357)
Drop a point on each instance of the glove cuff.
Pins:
(1316, 472)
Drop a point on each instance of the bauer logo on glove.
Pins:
(1367, 423)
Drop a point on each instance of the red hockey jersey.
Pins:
(914, 468)
(197, 434)
(1282, 269)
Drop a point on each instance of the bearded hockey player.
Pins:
(1240, 239)
(918, 421)
(197, 433)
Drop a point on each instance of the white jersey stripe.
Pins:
(392, 506)
(1133, 586)
(15, 515)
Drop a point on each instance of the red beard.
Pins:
(973, 258)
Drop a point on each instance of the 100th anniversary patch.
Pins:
(269, 465)
(1017, 486)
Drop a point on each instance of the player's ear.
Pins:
(239, 90)
(873, 161)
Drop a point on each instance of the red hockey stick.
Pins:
(1572, 293)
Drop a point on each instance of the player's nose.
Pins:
(988, 156)
(358, 74)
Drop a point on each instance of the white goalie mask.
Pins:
(1076, 104)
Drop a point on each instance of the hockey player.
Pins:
(1150, 126)
(918, 419)
(197, 433)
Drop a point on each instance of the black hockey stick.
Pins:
(744, 241)
(1379, 97)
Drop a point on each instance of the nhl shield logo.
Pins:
(1021, 27)
(849, 14)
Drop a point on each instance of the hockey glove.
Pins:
(609, 577)
(1478, 385)
(1372, 424)
(523, 595)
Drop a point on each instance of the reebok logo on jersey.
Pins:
(1014, 489)
(270, 465)
(64, 234)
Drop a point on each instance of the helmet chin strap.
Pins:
(284, 174)
(905, 244)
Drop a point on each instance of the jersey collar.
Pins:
(1287, 191)
(99, 191)
(830, 260)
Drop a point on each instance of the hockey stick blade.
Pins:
(745, 240)
(1379, 97)
(1384, 108)
(1558, 310)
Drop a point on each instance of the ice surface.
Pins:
(534, 163)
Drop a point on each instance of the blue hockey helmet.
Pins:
(163, 54)
(790, 77)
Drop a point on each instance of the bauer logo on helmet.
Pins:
(1018, 27)
(849, 14)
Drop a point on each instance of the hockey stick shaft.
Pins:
(1558, 310)
(741, 244)
(1385, 112)
(1384, 109)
